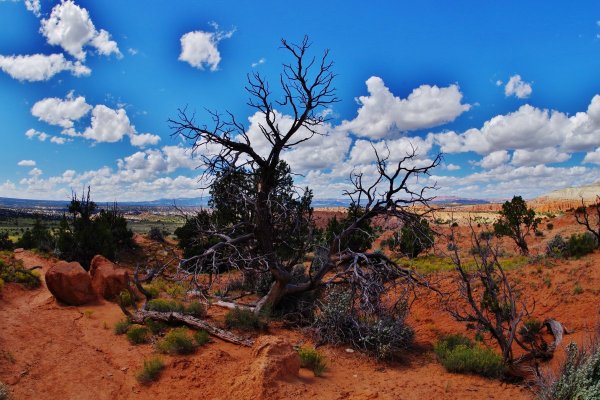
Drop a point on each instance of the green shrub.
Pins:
(151, 370)
(121, 327)
(550, 226)
(580, 245)
(155, 327)
(384, 335)
(201, 337)
(244, 320)
(578, 379)
(156, 234)
(152, 290)
(178, 341)
(125, 298)
(461, 355)
(196, 309)
(138, 334)
(164, 305)
(530, 330)
(557, 247)
(313, 360)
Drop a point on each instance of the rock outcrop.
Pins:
(70, 283)
(107, 279)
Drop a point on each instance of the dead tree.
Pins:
(590, 222)
(495, 305)
(307, 87)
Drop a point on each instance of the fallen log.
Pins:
(139, 316)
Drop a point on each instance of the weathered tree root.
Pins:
(139, 316)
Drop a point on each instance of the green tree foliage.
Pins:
(413, 238)
(38, 237)
(232, 195)
(89, 232)
(516, 221)
(5, 242)
(361, 239)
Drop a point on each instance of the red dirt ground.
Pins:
(51, 351)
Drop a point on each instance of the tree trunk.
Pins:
(139, 316)
(270, 300)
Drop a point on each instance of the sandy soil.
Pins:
(50, 351)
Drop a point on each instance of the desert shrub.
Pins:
(538, 233)
(164, 305)
(125, 298)
(578, 378)
(359, 240)
(550, 226)
(155, 327)
(454, 225)
(452, 246)
(384, 334)
(177, 341)
(156, 234)
(486, 235)
(151, 370)
(196, 309)
(138, 334)
(556, 247)
(201, 337)
(5, 242)
(244, 320)
(5, 392)
(13, 271)
(581, 244)
(313, 360)
(122, 326)
(1, 284)
(152, 290)
(530, 330)
(459, 354)
(38, 237)
(412, 239)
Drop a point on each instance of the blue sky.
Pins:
(506, 90)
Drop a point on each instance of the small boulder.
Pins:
(275, 358)
(107, 280)
(70, 283)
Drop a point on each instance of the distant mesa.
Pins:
(567, 198)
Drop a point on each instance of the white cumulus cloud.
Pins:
(40, 67)
(381, 114)
(61, 112)
(26, 163)
(70, 27)
(517, 87)
(199, 48)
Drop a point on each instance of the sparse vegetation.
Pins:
(578, 378)
(313, 360)
(138, 334)
(413, 238)
(201, 337)
(155, 327)
(121, 327)
(164, 305)
(383, 335)
(459, 354)
(177, 341)
(156, 234)
(13, 271)
(196, 309)
(581, 244)
(151, 370)
(245, 320)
